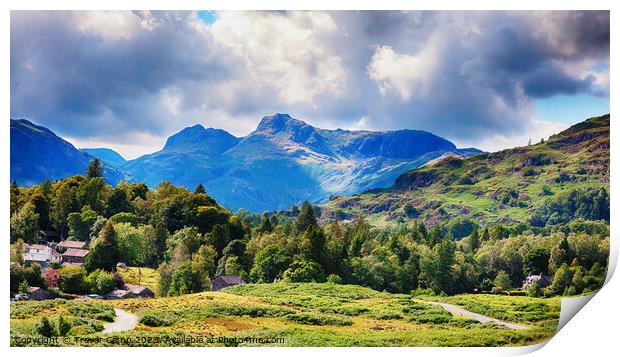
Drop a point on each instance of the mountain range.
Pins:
(37, 154)
(283, 162)
(108, 156)
(510, 186)
(286, 161)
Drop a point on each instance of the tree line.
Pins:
(190, 239)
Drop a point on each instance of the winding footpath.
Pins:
(124, 321)
(481, 318)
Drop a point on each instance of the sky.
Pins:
(485, 79)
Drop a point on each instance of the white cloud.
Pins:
(172, 99)
(287, 53)
(110, 25)
(109, 76)
(406, 75)
(534, 131)
(130, 146)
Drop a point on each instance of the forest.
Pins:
(190, 239)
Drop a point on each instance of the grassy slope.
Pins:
(311, 315)
(140, 276)
(505, 186)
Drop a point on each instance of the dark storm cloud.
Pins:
(464, 75)
(62, 76)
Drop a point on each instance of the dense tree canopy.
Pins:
(191, 239)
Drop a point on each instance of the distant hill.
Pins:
(106, 155)
(38, 154)
(508, 186)
(286, 161)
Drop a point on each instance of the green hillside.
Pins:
(510, 186)
(292, 315)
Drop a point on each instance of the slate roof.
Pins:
(76, 253)
(71, 244)
(231, 279)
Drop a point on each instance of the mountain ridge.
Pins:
(507, 186)
(37, 154)
(286, 161)
(107, 155)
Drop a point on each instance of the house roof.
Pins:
(75, 253)
(36, 246)
(136, 289)
(32, 289)
(36, 257)
(71, 244)
(117, 293)
(231, 279)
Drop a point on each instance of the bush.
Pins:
(534, 290)
(434, 315)
(63, 326)
(334, 279)
(92, 310)
(252, 311)
(423, 292)
(45, 327)
(83, 327)
(497, 290)
(101, 282)
(319, 319)
(72, 280)
(159, 318)
(304, 271)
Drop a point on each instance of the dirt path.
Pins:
(481, 318)
(124, 321)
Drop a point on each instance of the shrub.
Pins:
(497, 290)
(334, 279)
(534, 290)
(159, 318)
(72, 280)
(104, 283)
(423, 292)
(304, 271)
(307, 318)
(434, 315)
(92, 310)
(23, 287)
(252, 311)
(84, 327)
(45, 327)
(63, 326)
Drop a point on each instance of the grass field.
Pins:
(140, 276)
(298, 315)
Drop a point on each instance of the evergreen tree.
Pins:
(15, 198)
(45, 327)
(307, 218)
(536, 261)
(63, 326)
(313, 246)
(485, 235)
(445, 259)
(200, 189)
(42, 209)
(95, 169)
(104, 253)
(561, 280)
(265, 225)
(474, 240)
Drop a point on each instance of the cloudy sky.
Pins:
(127, 80)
